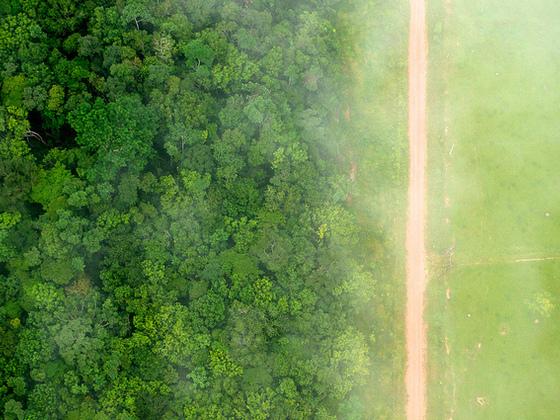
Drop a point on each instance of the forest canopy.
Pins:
(176, 232)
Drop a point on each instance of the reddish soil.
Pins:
(416, 347)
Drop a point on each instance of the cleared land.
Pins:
(494, 210)
(415, 232)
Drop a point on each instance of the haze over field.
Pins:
(279, 209)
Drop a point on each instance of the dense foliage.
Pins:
(175, 236)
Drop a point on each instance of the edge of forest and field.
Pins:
(376, 117)
(373, 151)
(203, 209)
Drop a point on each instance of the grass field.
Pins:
(494, 209)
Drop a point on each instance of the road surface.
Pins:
(416, 347)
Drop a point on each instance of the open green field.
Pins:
(494, 209)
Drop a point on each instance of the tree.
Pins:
(175, 239)
(120, 134)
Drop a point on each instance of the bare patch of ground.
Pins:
(416, 342)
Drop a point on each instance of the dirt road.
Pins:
(416, 347)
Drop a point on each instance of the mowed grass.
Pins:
(502, 75)
(504, 350)
(494, 199)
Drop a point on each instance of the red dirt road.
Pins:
(416, 278)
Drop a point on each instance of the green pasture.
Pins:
(494, 207)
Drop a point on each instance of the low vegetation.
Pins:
(494, 210)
